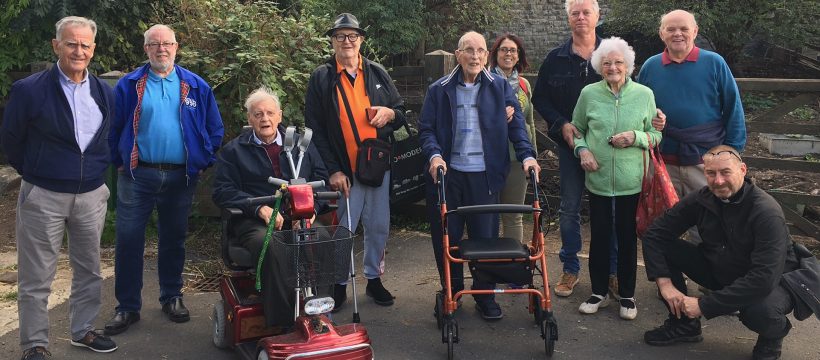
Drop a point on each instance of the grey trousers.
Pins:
(372, 206)
(687, 179)
(43, 218)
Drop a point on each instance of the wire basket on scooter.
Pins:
(317, 256)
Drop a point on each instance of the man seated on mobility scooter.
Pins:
(243, 168)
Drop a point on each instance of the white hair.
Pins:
(70, 21)
(595, 6)
(148, 32)
(260, 94)
(608, 46)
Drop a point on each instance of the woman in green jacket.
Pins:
(614, 119)
(509, 60)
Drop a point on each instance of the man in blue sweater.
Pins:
(698, 94)
(54, 134)
(165, 132)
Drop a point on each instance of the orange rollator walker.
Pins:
(501, 260)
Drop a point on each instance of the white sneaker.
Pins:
(629, 311)
(593, 303)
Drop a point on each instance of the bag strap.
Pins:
(521, 83)
(349, 114)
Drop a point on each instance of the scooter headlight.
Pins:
(316, 306)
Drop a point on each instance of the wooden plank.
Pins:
(794, 198)
(776, 113)
(803, 225)
(781, 128)
(790, 85)
(781, 164)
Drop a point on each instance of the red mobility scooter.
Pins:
(316, 257)
(497, 260)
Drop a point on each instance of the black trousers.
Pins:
(603, 211)
(767, 317)
(278, 300)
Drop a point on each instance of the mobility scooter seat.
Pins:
(234, 256)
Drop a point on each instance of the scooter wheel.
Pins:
(219, 319)
(262, 355)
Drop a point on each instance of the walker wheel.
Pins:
(450, 336)
(549, 331)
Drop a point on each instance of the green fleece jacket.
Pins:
(599, 115)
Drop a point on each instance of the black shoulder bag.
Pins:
(373, 158)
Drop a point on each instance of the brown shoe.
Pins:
(613, 286)
(567, 283)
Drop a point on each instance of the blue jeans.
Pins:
(172, 194)
(569, 222)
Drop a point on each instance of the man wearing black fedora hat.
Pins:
(351, 99)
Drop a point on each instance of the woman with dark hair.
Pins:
(508, 59)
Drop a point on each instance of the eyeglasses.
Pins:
(711, 155)
(350, 37)
(472, 52)
(617, 63)
(506, 50)
(74, 45)
(154, 45)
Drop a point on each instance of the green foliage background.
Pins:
(727, 24)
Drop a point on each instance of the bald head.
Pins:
(471, 35)
(679, 15)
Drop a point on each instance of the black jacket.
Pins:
(560, 80)
(804, 284)
(38, 134)
(322, 110)
(746, 242)
(243, 168)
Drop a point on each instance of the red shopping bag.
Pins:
(657, 192)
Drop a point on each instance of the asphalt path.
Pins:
(408, 330)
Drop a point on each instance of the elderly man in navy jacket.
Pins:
(54, 134)
(464, 128)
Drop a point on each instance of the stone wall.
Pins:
(542, 24)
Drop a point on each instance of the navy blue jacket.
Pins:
(560, 80)
(437, 123)
(243, 168)
(38, 134)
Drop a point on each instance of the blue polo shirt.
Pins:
(159, 137)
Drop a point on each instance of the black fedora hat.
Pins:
(345, 21)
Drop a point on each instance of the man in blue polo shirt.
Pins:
(166, 131)
(697, 92)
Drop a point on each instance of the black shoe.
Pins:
(376, 290)
(121, 321)
(96, 342)
(176, 310)
(488, 309)
(767, 349)
(36, 353)
(339, 296)
(674, 330)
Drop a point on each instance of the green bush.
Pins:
(238, 47)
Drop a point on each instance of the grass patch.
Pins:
(804, 113)
(756, 102)
(9, 296)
